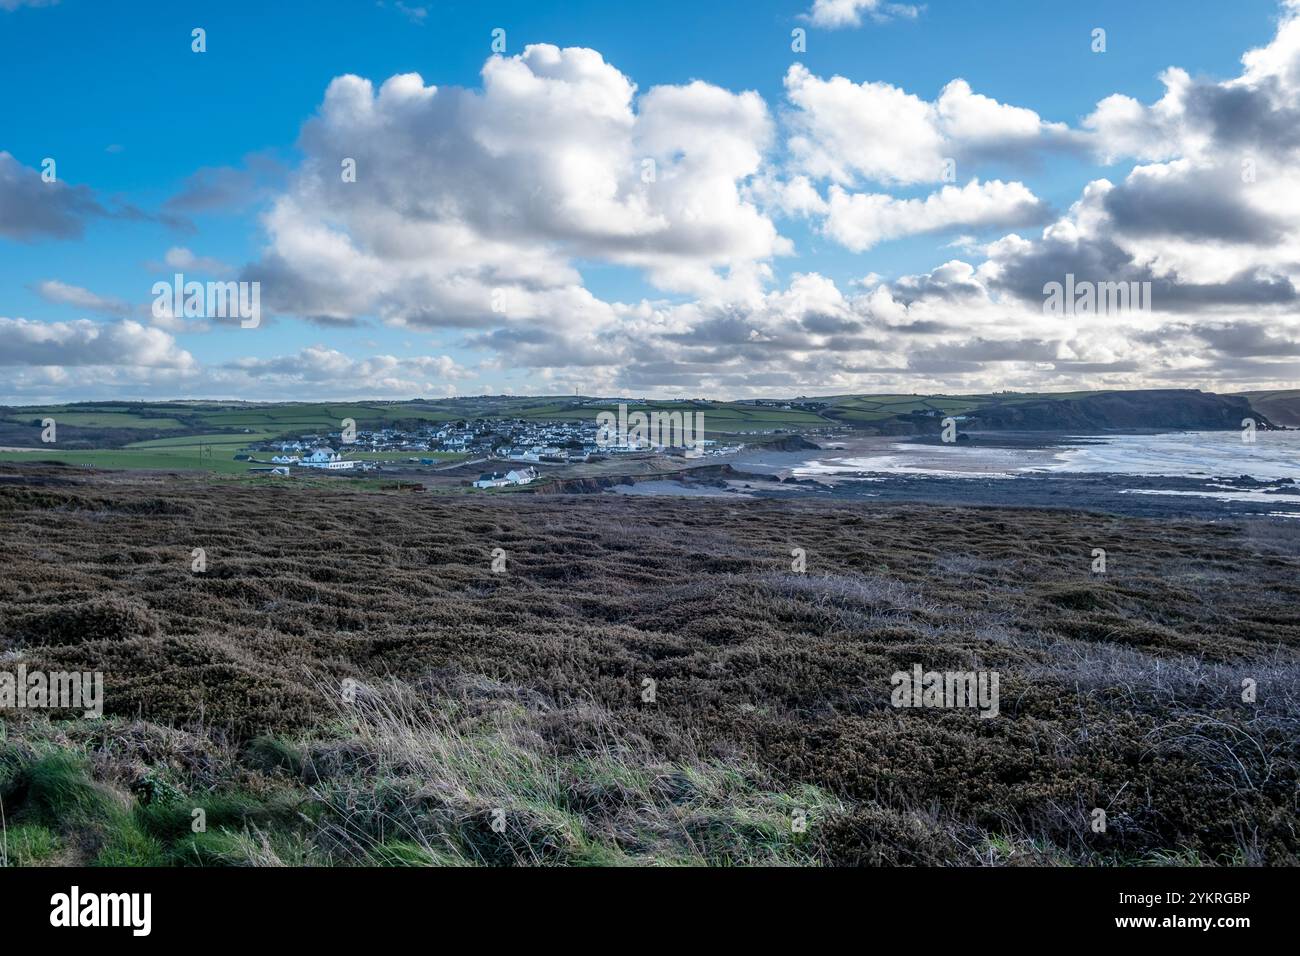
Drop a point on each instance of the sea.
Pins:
(1260, 477)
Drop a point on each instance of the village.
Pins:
(519, 446)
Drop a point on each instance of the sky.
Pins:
(724, 200)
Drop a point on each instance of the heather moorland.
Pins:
(361, 677)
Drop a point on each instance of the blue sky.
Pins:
(113, 92)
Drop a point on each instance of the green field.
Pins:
(180, 459)
(102, 419)
(192, 441)
(237, 423)
(186, 454)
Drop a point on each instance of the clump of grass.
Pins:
(456, 785)
(269, 754)
(59, 791)
(406, 853)
(124, 844)
(453, 772)
(252, 847)
(27, 844)
(177, 819)
(1004, 850)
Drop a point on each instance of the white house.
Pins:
(521, 476)
(499, 479)
(326, 458)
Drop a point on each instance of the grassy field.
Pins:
(212, 456)
(349, 681)
(113, 420)
(721, 418)
(170, 458)
(217, 439)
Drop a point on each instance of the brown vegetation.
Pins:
(1120, 691)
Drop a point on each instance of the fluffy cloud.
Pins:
(833, 14)
(954, 326)
(474, 213)
(1254, 115)
(850, 134)
(845, 131)
(86, 360)
(469, 206)
(1087, 244)
(85, 343)
(318, 370)
(1212, 220)
(859, 221)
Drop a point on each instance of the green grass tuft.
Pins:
(60, 791)
(27, 844)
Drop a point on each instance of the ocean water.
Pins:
(1203, 465)
(903, 458)
(1273, 455)
(1219, 454)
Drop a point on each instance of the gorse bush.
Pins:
(102, 619)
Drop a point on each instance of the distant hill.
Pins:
(1282, 407)
(1172, 408)
(193, 429)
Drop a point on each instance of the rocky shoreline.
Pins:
(1129, 495)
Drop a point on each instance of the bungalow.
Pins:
(499, 479)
